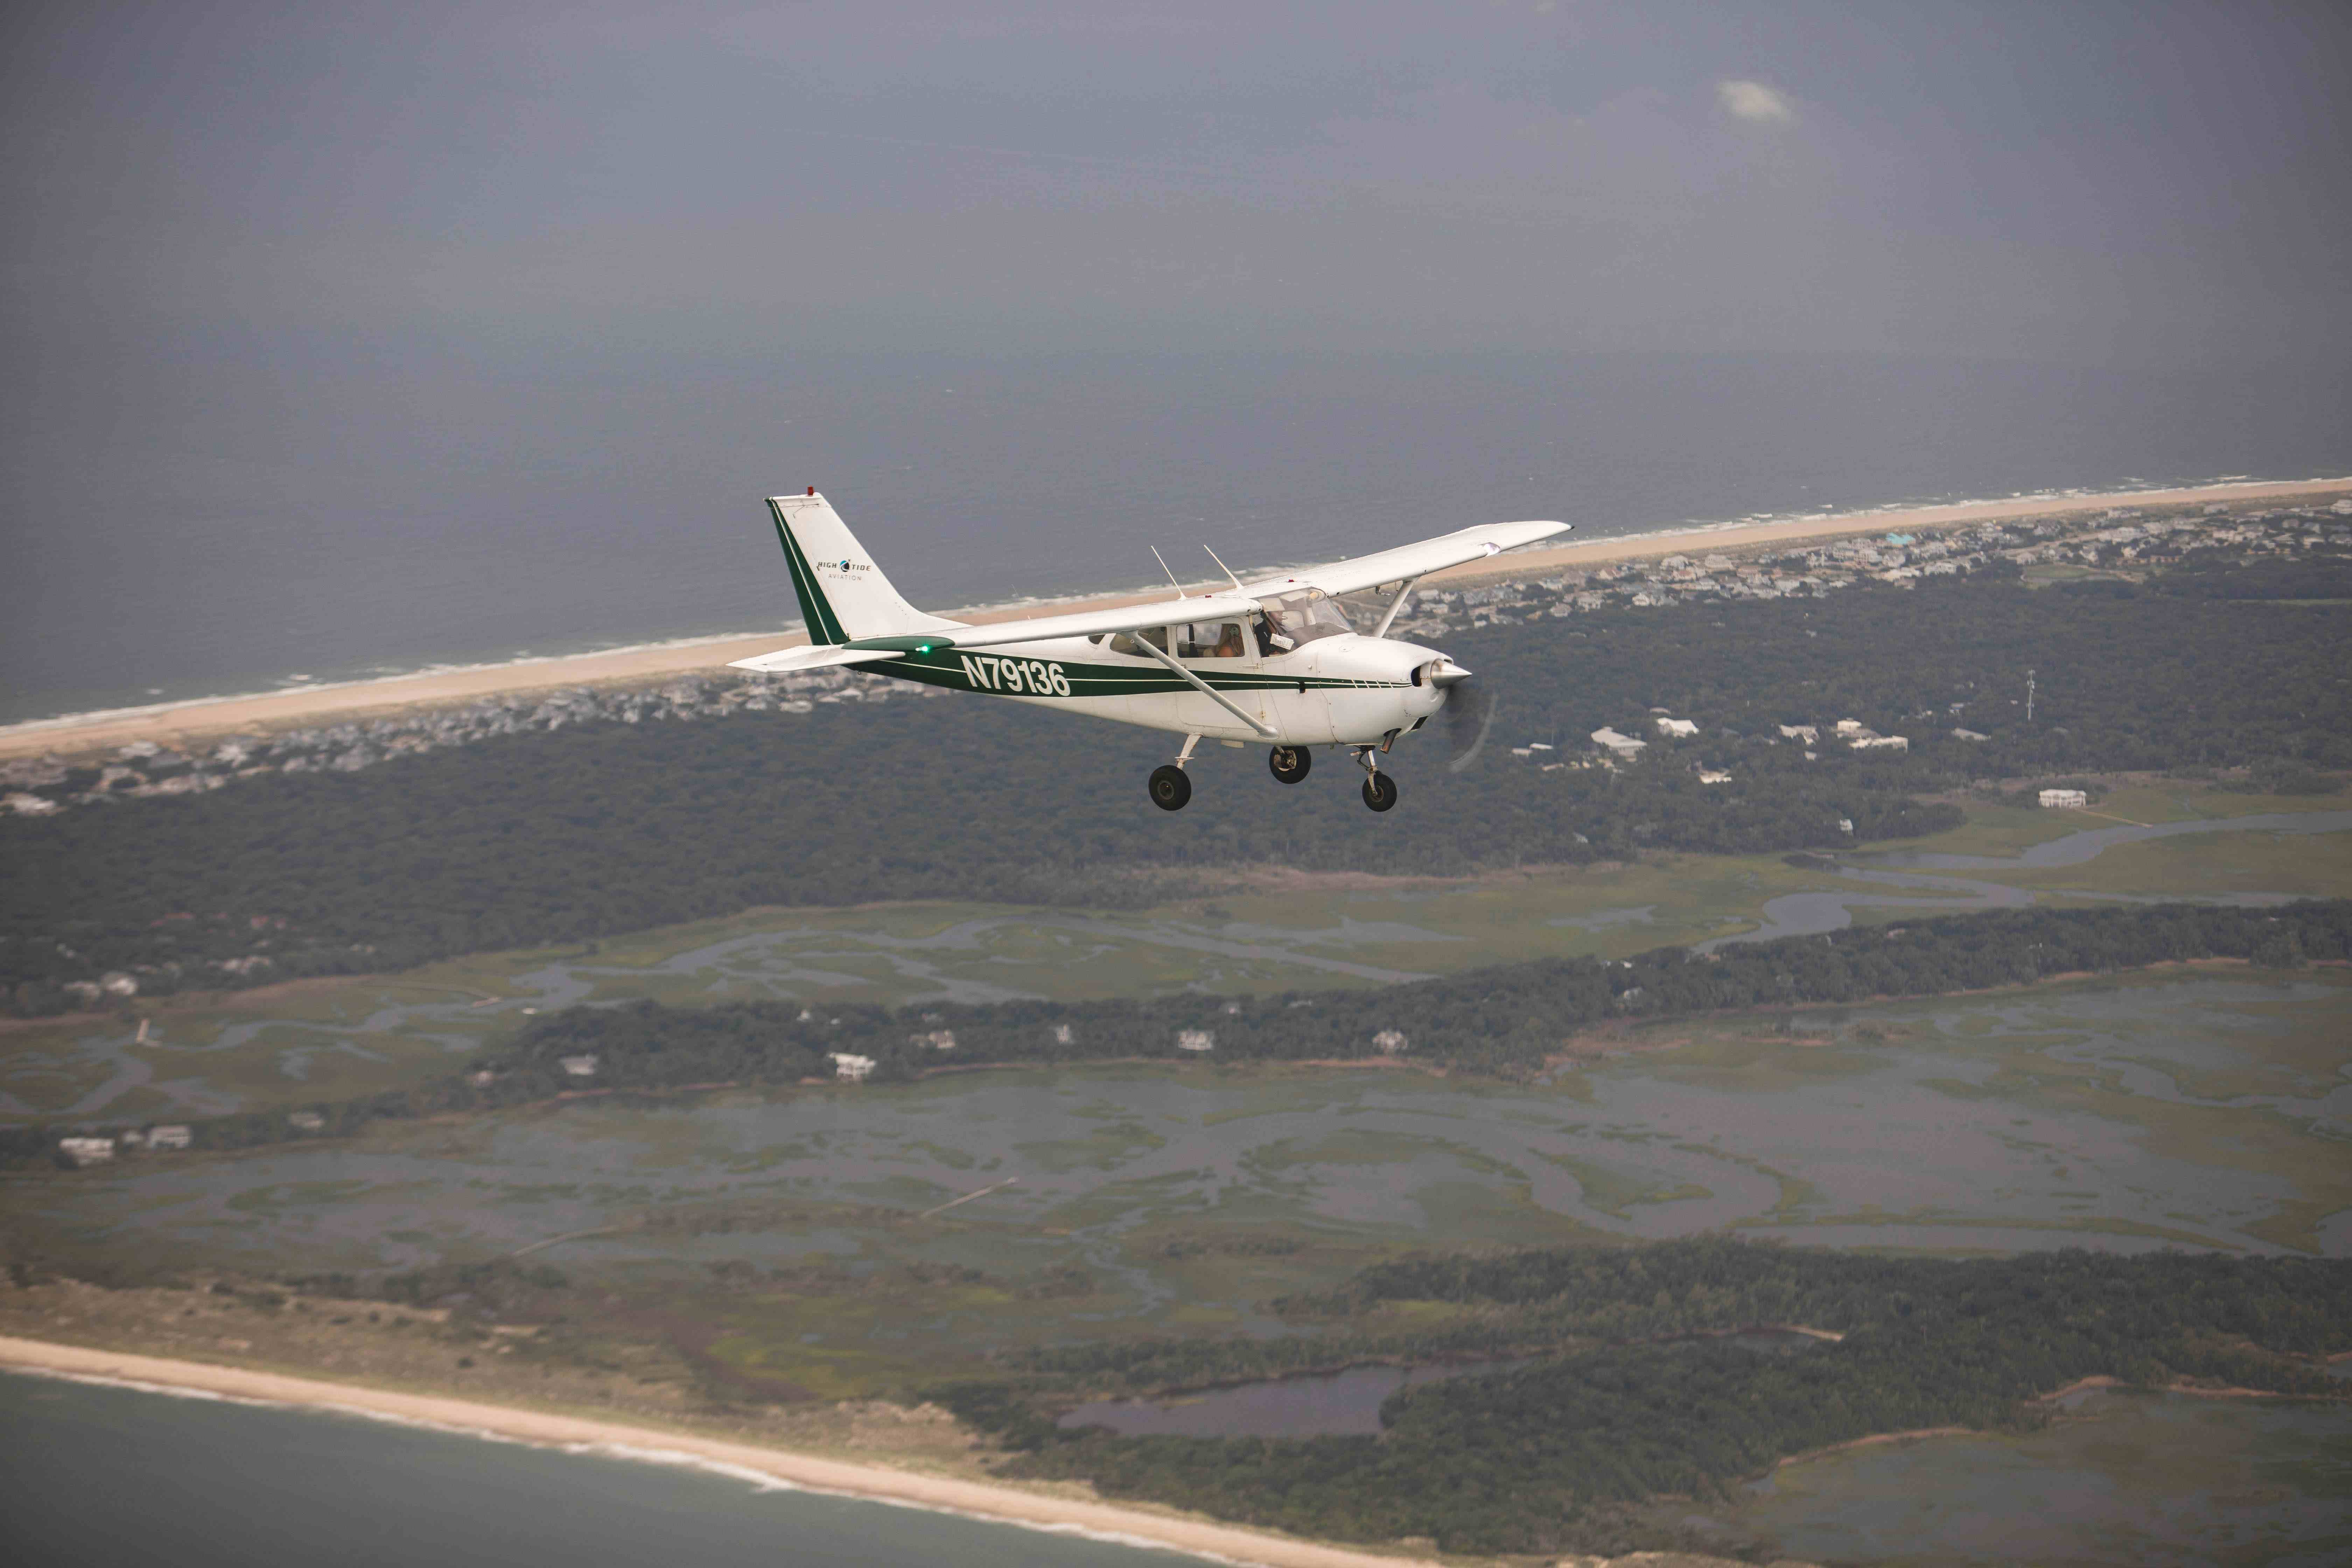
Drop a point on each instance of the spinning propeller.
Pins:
(1468, 713)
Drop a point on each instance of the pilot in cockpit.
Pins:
(1293, 620)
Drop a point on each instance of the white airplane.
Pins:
(1275, 661)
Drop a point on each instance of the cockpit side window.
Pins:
(1293, 620)
(1209, 640)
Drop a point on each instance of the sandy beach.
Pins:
(178, 724)
(978, 1499)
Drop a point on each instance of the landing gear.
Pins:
(1290, 763)
(1169, 785)
(1380, 790)
(1170, 788)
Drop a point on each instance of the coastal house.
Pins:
(1624, 746)
(1389, 1043)
(850, 1065)
(937, 1039)
(1195, 1040)
(2064, 799)
(1958, 734)
(86, 1151)
(1869, 742)
(174, 1135)
(1713, 776)
(579, 1065)
(1808, 734)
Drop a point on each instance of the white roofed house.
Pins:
(1678, 728)
(582, 1066)
(170, 1136)
(2064, 799)
(850, 1065)
(1195, 1040)
(1625, 746)
(86, 1151)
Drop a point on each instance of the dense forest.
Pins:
(1505, 1019)
(602, 828)
(1632, 1391)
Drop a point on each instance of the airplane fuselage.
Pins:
(1346, 690)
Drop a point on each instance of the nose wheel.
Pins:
(1290, 763)
(1380, 790)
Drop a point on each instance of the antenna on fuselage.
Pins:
(1164, 566)
(1226, 570)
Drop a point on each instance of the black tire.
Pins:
(1380, 792)
(1290, 763)
(1169, 788)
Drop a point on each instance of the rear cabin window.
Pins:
(1125, 642)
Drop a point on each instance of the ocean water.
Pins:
(107, 1473)
(225, 516)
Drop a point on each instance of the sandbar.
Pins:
(880, 1483)
(179, 723)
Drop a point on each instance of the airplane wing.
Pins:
(1409, 560)
(1339, 577)
(1083, 624)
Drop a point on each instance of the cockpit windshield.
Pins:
(1293, 620)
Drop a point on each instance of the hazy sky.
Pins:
(2070, 180)
(346, 333)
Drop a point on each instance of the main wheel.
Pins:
(1380, 792)
(1170, 789)
(1290, 763)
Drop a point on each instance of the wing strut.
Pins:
(1388, 620)
(1214, 695)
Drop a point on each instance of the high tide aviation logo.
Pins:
(843, 566)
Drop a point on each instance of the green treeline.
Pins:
(1504, 1020)
(1540, 1458)
(597, 829)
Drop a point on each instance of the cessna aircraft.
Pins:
(1277, 660)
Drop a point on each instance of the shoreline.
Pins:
(172, 723)
(994, 1503)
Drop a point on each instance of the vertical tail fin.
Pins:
(843, 594)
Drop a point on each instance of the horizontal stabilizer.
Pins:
(820, 658)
